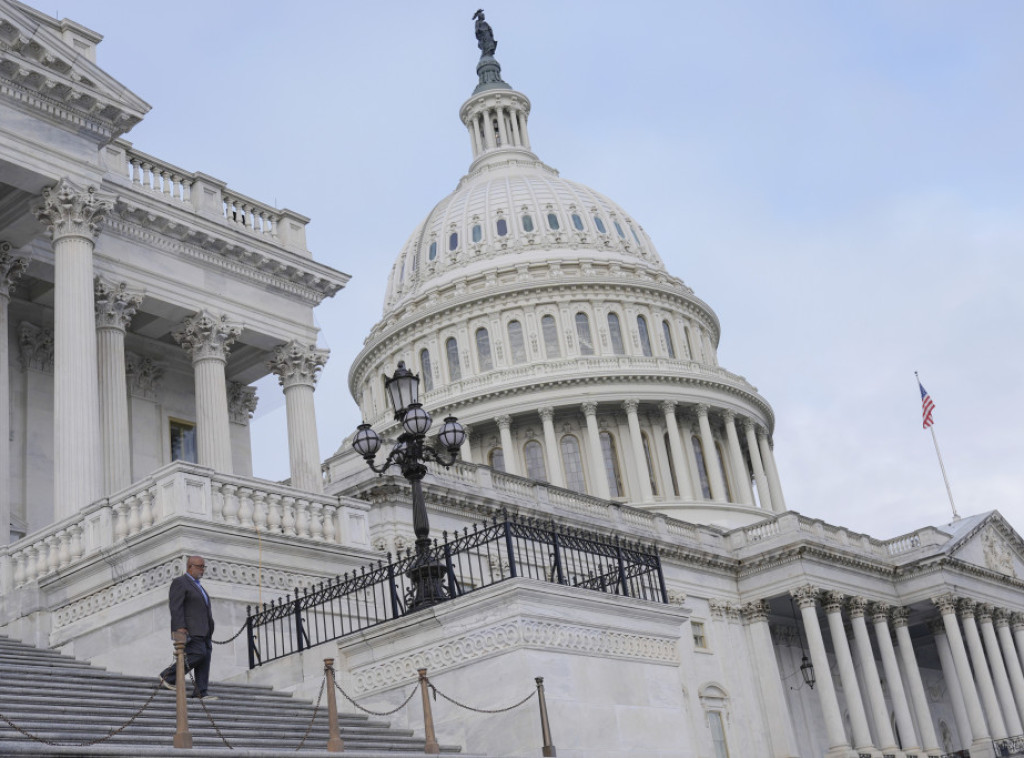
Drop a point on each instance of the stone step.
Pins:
(37, 750)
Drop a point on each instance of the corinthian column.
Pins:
(207, 339)
(764, 495)
(711, 462)
(980, 734)
(773, 694)
(11, 269)
(115, 306)
(1013, 667)
(637, 446)
(872, 682)
(600, 476)
(778, 502)
(675, 444)
(297, 367)
(742, 478)
(982, 676)
(508, 452)
(900, 704)
(807, 599)
(929, 740)
(1000, 676)
(555, 475)
(73, 219)
(833, 602)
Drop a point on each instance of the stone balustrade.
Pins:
(181, 490)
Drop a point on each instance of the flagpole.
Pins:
(942, 467)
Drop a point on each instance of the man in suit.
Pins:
(191, 623)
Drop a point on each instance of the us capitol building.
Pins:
(140, 300)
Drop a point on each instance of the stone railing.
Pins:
(205, 194)
(182, 490)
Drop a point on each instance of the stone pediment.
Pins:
(992, 544)
(42, 73)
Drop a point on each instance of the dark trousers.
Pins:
(198, 651)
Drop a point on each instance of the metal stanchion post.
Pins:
(545, 728)
(430, 745)
(182, 737)
(334, 743)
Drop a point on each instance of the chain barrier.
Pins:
(375, 713)
(452, 700)
(231, 639)
(192, 676)
(316, 710)
(111, 734)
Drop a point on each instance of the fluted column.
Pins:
(507, 450)
(764, 495)
(952, 680)
(972, 703)
(115, 306)
(1013, 667)
(73, 218)
(768, 459)
(637, 447)
(1017, 625)
(773, 693)
(982, 675)
(297, 367)
(872, 683)
(711, 462)
(600, 476)
(555, 474)
(900, 703)
(926, 728)
(742, 478)
(676, 450)
(11, 269)
(807, 599)
(207, 339)
(833, 602)
(1000, 676)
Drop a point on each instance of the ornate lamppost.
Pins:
(409, 454)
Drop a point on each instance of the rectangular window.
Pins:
(700, 642)
(718, 734)
(183, 441)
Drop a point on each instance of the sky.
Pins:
(842, 182)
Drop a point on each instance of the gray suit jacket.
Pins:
(189, 609)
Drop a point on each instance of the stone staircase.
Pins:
(64, 701)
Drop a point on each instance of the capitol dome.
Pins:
(539, 312)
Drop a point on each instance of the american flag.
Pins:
(927, 406)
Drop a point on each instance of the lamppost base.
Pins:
(427, 579)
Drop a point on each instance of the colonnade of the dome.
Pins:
(497, 120)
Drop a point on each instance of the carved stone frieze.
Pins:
(242, 401)
(145, 376)
(35, 347)
(68, 210)
(676, 597)
(11, 269)
(998, 556)
(115, 304)
(204, 336)
(295, 363)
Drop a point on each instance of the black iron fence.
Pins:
(506, 548)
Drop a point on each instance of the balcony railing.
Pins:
(1010, 746)
(487, 554)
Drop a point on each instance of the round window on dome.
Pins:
(619, 230)
(577, 222)
(553, 222)
(527, 223)
(453, 241)
(502, 227)
(433, 250)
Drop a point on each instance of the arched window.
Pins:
(577, 222)
(425, 373)
(611, 464)
(527, 223)
(669, 345)
(649, 457)
(534, 455)
(553, 222)
(572, 462)
(516, 344)
(483, 350)
(453, 241)
(478, 233)
(671, 467)
(619, 230)
(615, 334)
(702, 469)
(645, 336)
(634, 234)
(583, 334)
(433, 250)
(502, 227)
(401, 272)
(725, 478)
(600, 225)
(550, 331)
(717, 727)
(415, 259)
(454, 369)
(496, 459)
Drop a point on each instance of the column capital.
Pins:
(728, 416)
(1001, 617)
(900, 616)
(504, 421)
(756, 611)
(701, 410)
(668, 407)
(748, 425)
(546, 413)
(984, 612)
(115, 304)
(718, 607)
(296, 363)
(589, 408)
(858, 606)
(880, 612)
(69, 211)
(967, 608)
(832, 600)
(11, 269)
(631, 405)
(806, 596)
(945, 603)
(1017, 620)
(242, 401)
(205, 336)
